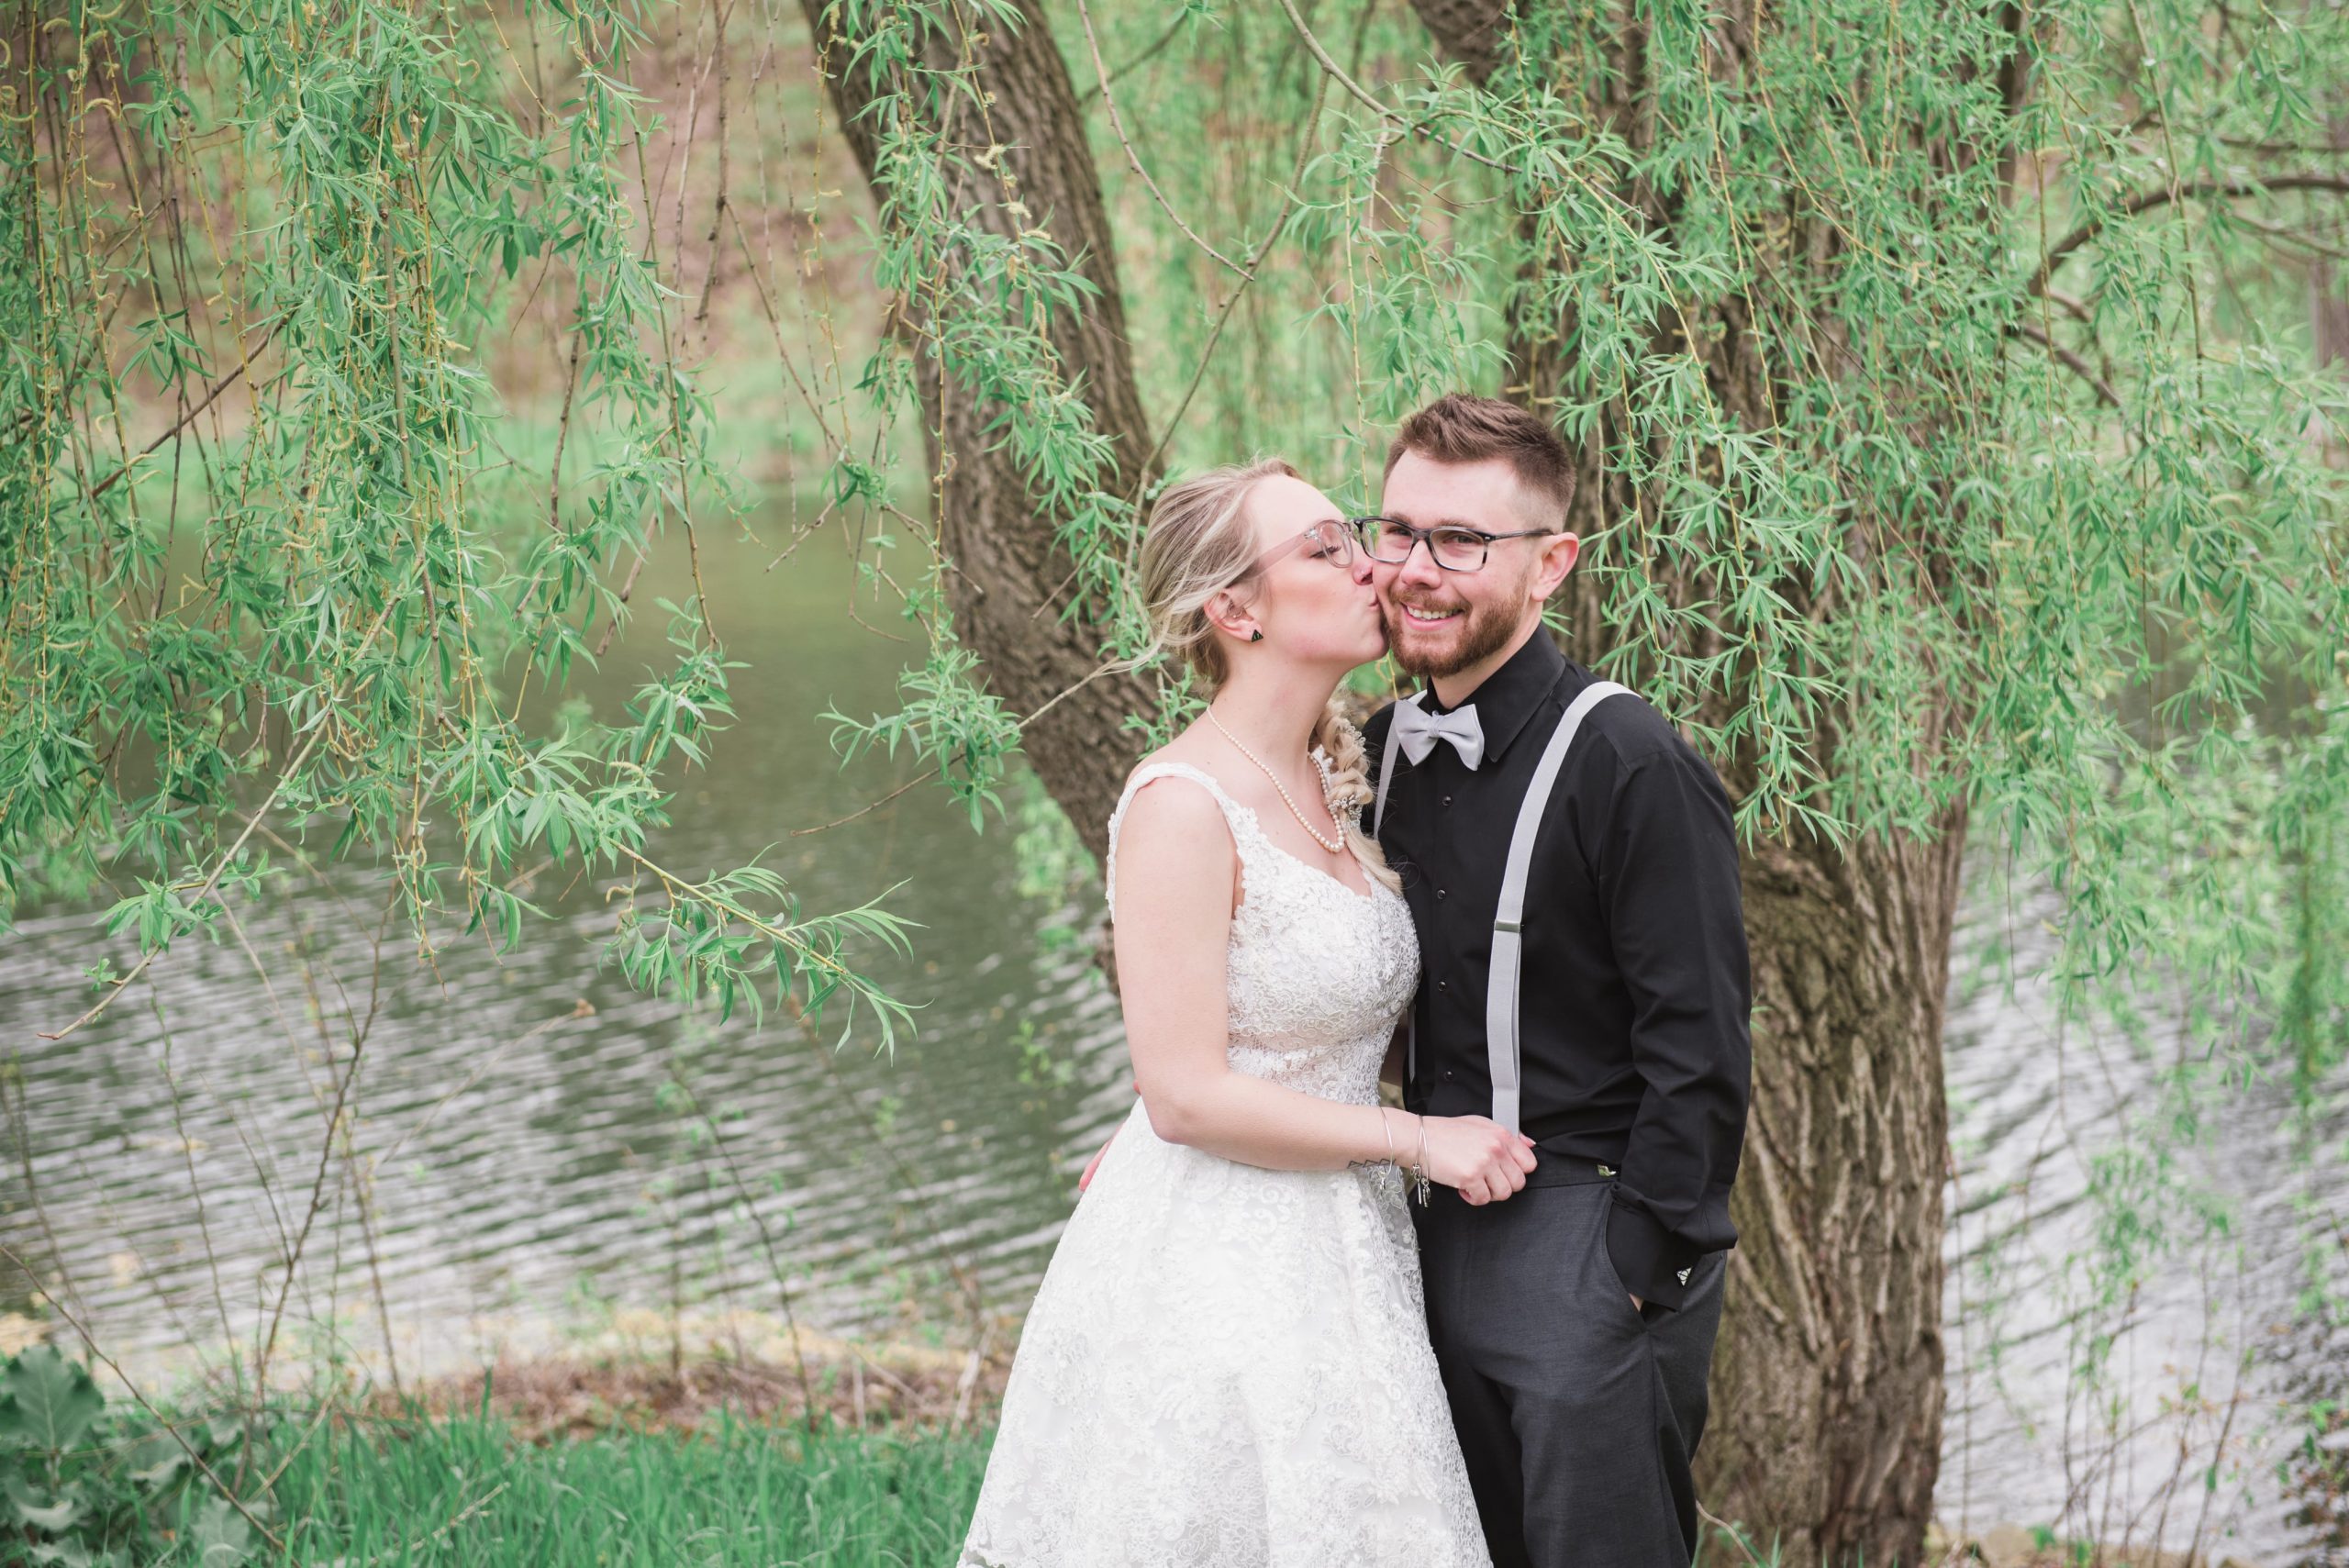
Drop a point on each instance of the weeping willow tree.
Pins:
(1953, 463)
(1956, 468)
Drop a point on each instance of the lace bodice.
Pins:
(1316, 973)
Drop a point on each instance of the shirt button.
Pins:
(1442, 893)
(1443, 985)
(1447, 800)
(1447, 1076)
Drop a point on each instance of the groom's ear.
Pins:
(1559, 553)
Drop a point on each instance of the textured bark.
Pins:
(1827, 1389)
(1008, 584)
(2328, 313)
(2328, 308)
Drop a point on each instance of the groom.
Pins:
(1570, 868)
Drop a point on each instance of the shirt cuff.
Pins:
(1653, 1265)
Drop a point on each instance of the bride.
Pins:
(1226, 1364)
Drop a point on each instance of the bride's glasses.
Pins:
(1331, 541)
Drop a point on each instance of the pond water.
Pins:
(531, 1173)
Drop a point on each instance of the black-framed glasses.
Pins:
(1452, 547)
(1330, 539)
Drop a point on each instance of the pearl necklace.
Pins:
(1335, 846)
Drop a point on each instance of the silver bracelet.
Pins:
(1420, 1174)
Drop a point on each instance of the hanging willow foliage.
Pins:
(284, 228)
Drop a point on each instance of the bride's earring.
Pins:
(1257, 635)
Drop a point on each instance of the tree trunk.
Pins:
(2328, 310)
(1009, 582)
(1827, 1388)
(1827, 1392)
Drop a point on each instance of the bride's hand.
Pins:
(1483, 1159)
(1094, 1164)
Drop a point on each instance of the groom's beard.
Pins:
(1483, 631)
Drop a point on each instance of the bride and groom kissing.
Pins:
(1289, 1324)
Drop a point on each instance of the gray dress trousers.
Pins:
(1578, 1415)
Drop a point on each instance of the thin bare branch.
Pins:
(187, 418)
(1156, 47)
(2145, 201)
(1133, 159)
(193, 1458)
(2071, 361)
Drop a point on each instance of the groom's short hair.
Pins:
(1460, 426)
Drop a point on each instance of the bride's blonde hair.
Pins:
(1197, 544)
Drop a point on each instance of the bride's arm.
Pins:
(1175, 873)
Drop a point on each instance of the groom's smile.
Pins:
(1433, 629)
(1424, 628)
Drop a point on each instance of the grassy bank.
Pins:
(609, 1464)
(557, 1465)
(466, 1491)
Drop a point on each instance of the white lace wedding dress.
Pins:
(1227, 1366)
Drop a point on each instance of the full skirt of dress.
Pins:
(1227, 1367)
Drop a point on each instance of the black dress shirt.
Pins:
(1635, 997)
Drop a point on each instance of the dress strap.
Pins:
(1236, 816)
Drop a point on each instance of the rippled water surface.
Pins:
(530, 1173)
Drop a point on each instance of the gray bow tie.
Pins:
(1417, 732)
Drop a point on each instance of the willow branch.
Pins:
(1107, 667)
(1133, 159)
(1144, 57)
(1215, 334)
(1337, 73)
(2145, 201)
(212, 882)
(788, 937)
(865, 809)
(1402, 127)
(187, 418)
(2071, 361)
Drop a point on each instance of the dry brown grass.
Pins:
(858, 1386)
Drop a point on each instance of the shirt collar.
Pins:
(1508, 697)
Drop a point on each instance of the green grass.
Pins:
(464, 1492)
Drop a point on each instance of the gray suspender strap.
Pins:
(1386, 765)
(1501, 1054)
(1387, 761)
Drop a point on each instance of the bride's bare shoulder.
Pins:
(1183, 751)
(1172, 806)
(1172, 844)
